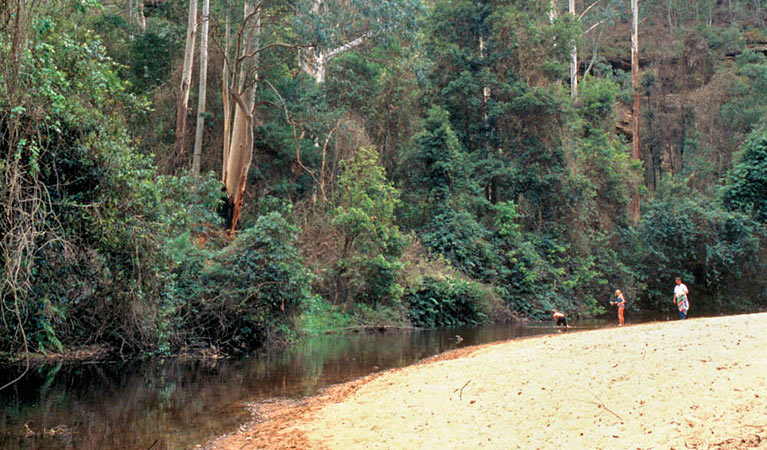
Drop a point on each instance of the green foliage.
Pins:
(436, 171)
(261, 276)
(723, 40)
(99, 270)
(320, 317)
(436, 162)
(151, 54)
(447, 302)
(239, 297)
(745, 110)
(336, 23)
(353, 82)
(598, 96)
(685, 235)
(115, 34)
(370, 244)
(77, 166)
(463, 241)
(606, 175)
(745, 189)
(504, 179)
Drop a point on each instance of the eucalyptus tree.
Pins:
(202, 92)
(574, 60)
(334, 27)
(240, 106)
(317, 31)
(635, 152)
(596, 18)
(136, 13)
(186, 79)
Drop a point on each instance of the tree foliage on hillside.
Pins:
(397, 162)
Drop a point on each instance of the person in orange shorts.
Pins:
(620, 302)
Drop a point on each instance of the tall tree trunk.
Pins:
(485, 88)
(136, 13)
(186, 78)
(226, 95)
(635, 153)
(553, 11)
(491, 188)
(241, 142)
(573, 62)
(201, 101)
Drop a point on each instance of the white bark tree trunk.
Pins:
(227, 96)
(316, 63)
(635, 152)
(186, 79)
(203, 91)
(240, 150)
(553, 11)
(573, 62)
(136, 13)
(486, 88)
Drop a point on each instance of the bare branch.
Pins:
(270, 46)
(322, 167)
(349, 46)
(295, 134)
(594, 55)
(591, 28)
(588, 9)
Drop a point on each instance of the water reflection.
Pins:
(170, 405)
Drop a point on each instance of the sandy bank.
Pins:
(700, 383)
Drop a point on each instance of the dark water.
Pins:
(172, 405)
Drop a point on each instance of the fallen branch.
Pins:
(599, 403)
(460, 394)
(602, 405)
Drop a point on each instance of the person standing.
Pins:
(620, 302)
(680, 298)
(559, 318)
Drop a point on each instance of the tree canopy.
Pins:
(398, 162)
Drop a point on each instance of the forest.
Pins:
(177, 176)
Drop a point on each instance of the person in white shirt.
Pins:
(680, 298)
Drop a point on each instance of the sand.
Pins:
(699, 383)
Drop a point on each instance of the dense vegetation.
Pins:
(414, 163)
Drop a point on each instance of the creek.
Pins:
(175, 404)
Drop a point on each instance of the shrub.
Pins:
(367, 263)
(747, 182)
(248, 294)
(447, 302)
(463, 241)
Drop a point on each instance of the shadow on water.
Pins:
(170, 405)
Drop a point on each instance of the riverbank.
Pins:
(698, 384)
